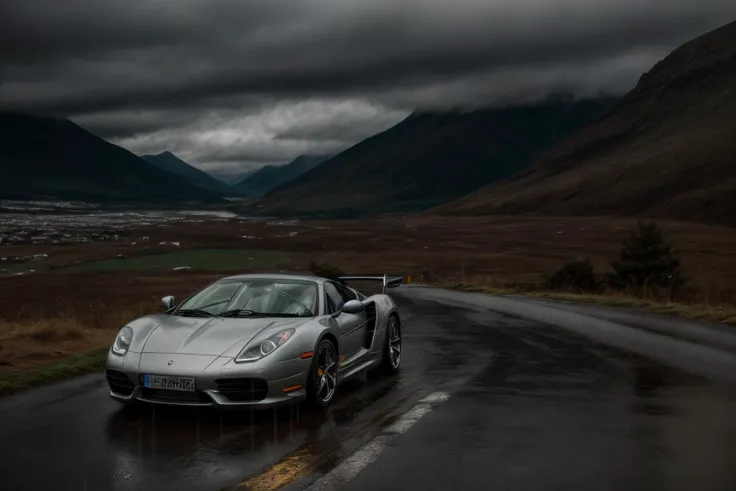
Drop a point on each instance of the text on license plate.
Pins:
(168, 383)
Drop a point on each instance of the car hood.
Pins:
(209, 335)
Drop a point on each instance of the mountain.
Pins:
(429, 158)
(233, 179)
(667, 149)
(171, 163)
(271, 176)
(48, 157)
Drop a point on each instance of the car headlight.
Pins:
(122, 341)
(264, 347)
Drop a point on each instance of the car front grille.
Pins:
(164, 395)
(243, 389)
(119, 382)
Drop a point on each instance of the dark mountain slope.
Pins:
(667, 149)
(171, 163)
(48, 157)
(233, 179)
(271, 176)
(429, 158)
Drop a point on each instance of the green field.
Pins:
(203, 260)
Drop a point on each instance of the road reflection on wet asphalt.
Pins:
(532, 407)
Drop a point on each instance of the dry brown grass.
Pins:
(48, 317)
(35, 341)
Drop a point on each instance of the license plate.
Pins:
(168, 383)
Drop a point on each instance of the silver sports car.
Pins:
(257, 340)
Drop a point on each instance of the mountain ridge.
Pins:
(48, 157)
(665, 150)
(169, 162)
(428, 158)
(270, 177)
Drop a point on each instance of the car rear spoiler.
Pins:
(388, 281)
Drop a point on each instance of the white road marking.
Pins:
(368, 453)
(408, 419)
(436, 398)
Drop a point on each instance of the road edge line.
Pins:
(369, 453)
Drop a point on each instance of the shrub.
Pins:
(577, 274)
(646, 260)
(325, 270)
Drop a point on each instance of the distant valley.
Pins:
(270, 177)
(171, 163)
(47, 158)
(233, 178)
(665, 149)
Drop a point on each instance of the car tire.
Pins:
(323, 370)
(392, 346)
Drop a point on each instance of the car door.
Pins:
(350, 326)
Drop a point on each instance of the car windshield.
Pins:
(253, 298)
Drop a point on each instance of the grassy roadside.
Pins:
(723, 313)
(55, 345)
(88, 362)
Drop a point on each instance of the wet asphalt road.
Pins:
(531, 406)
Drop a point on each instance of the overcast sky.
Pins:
(233, 84)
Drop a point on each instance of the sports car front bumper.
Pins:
(218, 381)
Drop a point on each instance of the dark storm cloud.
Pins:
(35, 30)
(126, 124)
(339, 124)
(167, 72)
(169, 53)
(245, 138)
(192, 115)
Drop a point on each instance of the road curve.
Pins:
(494, 393)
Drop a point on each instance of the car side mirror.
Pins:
(167, 302)
(353, 307)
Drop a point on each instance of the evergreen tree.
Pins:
(647, 260)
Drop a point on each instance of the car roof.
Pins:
(276, 276)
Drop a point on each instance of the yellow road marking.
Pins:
(280, 474)
(303, 461)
